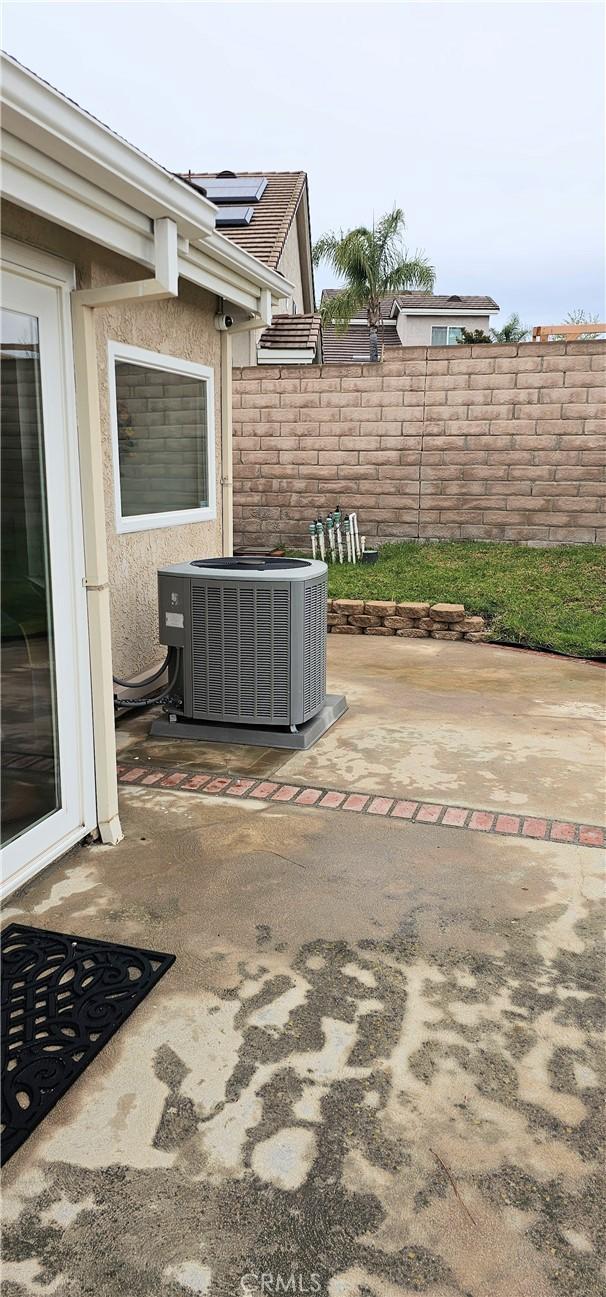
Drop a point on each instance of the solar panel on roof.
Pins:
(234, 216)
(247, 189)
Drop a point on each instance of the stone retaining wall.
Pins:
(410, 620)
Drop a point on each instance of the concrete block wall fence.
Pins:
(480, 442)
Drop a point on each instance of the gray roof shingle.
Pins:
(414, 301)
(340, 348)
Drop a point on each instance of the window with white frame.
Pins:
(443, 335)
(162, 413)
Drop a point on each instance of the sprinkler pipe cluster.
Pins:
(337, 538)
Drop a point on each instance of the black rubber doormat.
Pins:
(63, 998)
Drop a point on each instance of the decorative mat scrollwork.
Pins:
(63, 998)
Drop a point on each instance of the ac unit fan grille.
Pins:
(240, 652)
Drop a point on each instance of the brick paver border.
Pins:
(497, 823)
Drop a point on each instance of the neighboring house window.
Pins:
(162, 415)
(445, 335)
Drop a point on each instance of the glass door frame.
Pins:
(38, 284)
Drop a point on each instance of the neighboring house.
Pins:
(267, 214)
(410, 320)
(116, 441)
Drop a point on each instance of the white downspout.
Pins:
(227, 471)
(165, 283)
(260, 319)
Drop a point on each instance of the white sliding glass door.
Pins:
(47, 763)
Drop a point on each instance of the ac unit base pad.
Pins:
(299, 740)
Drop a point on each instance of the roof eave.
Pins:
(448, 310)
(44, 118)
(232, 255)
(65, 165)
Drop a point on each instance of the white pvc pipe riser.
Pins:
(227, 485)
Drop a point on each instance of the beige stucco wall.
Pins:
(289, 265)
(415, 330)
(181, 327)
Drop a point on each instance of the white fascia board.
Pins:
(43, 118)
(286, 356)
(42, 186)
(447, 310)
(232, 255)
(216, 279)
(240, 279)
(361, 320)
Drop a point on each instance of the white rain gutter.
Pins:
(165, 283)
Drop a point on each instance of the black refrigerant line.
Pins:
(172, 657)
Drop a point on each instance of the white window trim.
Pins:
(449, 328)
(190, 369)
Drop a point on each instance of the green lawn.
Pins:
(546, 598)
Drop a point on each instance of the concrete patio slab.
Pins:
(476, 725)
(374, 1065)
(468, 723)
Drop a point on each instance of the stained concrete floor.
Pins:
(473, 724)
(374, 1069)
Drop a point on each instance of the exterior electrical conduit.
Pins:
(165, 283)
(259, 320)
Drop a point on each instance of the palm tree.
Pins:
(512, 331)
(373, 264)
(472, 337)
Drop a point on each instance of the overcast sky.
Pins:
(484, 121)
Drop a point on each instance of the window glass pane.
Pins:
(454, 334)
(30, 756)
(439, 335)
(162, 440)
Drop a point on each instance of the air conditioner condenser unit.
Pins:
(252, 639)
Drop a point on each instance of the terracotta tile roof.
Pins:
(428, 301)
(273, 214)
(291, 331)
(342, 347)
